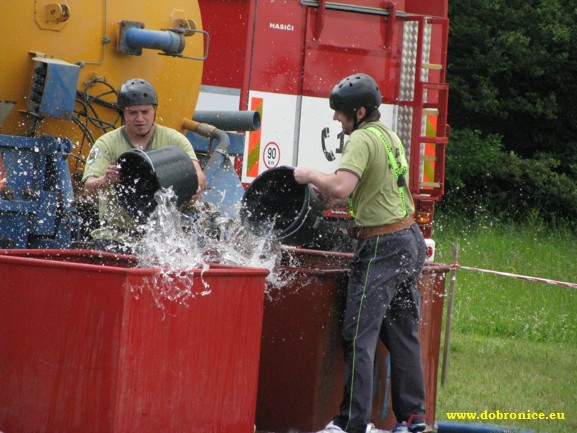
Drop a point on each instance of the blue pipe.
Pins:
(449, 427)
(167, 41)
(225, 189)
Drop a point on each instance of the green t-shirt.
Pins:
(114, 220)
(375, 199)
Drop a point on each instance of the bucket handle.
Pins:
(146, 156)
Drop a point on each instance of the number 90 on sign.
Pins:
(271, 155)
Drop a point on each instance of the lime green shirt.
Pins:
(375, 199)
(114, 220)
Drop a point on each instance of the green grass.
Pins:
(514, 342)
(509, 375)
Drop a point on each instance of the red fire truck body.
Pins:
(282, 58)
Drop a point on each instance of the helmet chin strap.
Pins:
(358, 122)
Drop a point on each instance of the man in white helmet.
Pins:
(137, 101)
(382, 302)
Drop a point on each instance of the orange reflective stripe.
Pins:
(253, 156)
(430, 150)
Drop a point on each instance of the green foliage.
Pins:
(509, 68)
(512, 108)
(482, 178)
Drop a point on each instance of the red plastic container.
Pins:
(301, 375)
(82, 351)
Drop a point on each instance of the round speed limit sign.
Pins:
(271, 155)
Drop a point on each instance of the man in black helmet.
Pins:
(137, 101)
(382, 301)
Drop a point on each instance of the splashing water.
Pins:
(175, 242)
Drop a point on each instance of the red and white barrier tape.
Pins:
(521, 277)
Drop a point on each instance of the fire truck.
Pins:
(278, 58)
(282, 58)
(82, 346)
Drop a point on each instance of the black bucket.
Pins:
(276, 206)
(144, 173)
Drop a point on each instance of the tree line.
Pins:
(512, 71)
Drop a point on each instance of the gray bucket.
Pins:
(142, 174)
(275, 206)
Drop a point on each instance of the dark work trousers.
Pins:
(382, 302)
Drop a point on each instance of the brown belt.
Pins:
(360, 232)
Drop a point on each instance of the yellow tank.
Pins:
(87, 44)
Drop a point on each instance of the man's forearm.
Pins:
(93, 185)
(331, 186)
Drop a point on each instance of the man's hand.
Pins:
(196, 195)
(112, 175)
(95, 184)
(330, 202)
(304, 175)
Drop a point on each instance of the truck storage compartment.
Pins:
(89, 344)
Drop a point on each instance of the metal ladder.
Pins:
(425, 101)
